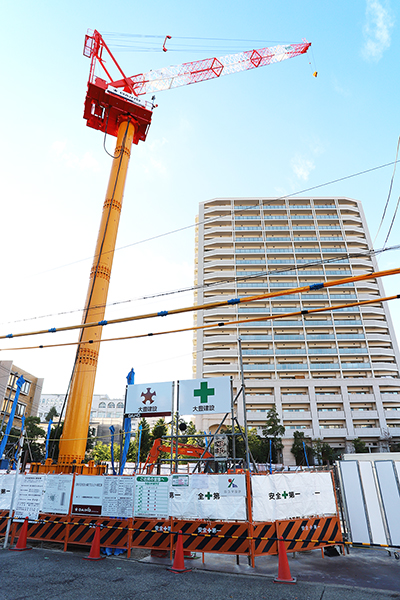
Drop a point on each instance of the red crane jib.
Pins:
(104, 110)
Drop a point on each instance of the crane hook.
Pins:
(167, 37)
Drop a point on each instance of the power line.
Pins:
(208, 306)
(186, 227)
(259, 274)
(219, 325)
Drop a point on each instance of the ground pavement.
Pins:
(49, 574)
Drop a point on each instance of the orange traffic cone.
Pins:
(21, 544)
(179, 561)
(283, 569)
(95, 548)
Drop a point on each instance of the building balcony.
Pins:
(327, 415)
(289, 415)
(290, 429)
(364, 432)
(229, 369)
(362, 415)
(219, 339)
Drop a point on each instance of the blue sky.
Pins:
(271, 131)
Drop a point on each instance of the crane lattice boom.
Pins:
(208, 68)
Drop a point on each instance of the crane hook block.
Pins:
(167, 37)
(315, 74)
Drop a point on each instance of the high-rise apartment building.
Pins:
(333, 375)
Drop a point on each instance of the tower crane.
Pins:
(113, 106)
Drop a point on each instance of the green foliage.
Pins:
(159, 430)
(359, 446)
(297, 449)
(102, 452)
(274, 430)
(51, 414)
(324, 454)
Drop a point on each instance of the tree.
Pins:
(360, 446)
(51, 414)
(297, 449)
(101, 452)
(324, 454)
(274, 430)
(159, 430)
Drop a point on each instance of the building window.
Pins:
(26, 386)
(120, 405)
(102, 404)
(111, 405)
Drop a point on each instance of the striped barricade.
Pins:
(309, 534)
(151, 533)
(114, 533)
(213, 536)
(265, 541)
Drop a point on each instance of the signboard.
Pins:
(289, 496)
(205, 396)
(87, 498)
(30, 497)
(220, 447)
(149, 400)
(6, 489)
(210, 497)
(152, 496)
(57, 494)
(118, 494)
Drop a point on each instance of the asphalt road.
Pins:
(54, 575)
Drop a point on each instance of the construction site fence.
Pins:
(225, 537)
(250, 535)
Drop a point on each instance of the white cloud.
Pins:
(85, 162)
(302, 167)
(377, 29)
(58, 147)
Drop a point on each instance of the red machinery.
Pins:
(186, 450)
(109, 100)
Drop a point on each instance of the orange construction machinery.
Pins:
(185, 450)
(112, 106)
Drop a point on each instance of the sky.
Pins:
(266, 132)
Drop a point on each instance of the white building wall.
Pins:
(333, 375)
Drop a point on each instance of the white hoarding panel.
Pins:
(205, 396)
(289, 496)
(30, 497)
(220, 497)
(372, 502)
(6, 489)
(87, 497)
(57, 494)
(151, 497)
(397, 467)
(390, 498)
(118, 495)
(354, 500)
(149, 399)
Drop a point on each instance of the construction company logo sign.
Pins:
(232, 485)
(149, 400)
(205, 396)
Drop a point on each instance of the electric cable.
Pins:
(214, 325)
(173, 231)
(210, 305)
(389, 194)
(195, 225)
(259, 274)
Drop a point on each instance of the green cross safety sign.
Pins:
(211, 395)
(204, 392)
